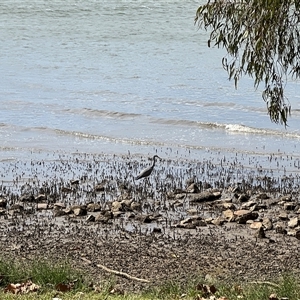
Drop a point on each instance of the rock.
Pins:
(280, 228)
(229, 215)
(273, 297)
(260, 233)
(156, 230)
(256, 225)
(66, 190)
(27, 198)
(59, 205)
(100, 187)
(286, 198)
(80, 211)
(243, 198)
(192, 211)
(205, 196)
(291, 233)
(93, 207)
(262, 196)
(3, 202)
(228, 205)
(90, 218)
(193, 188)
(59, 212)
(199, 223)
(297, 234)
(127, 203)
(41, 206)
(283, 216)
(17, 206)
(104, 216)
(147, 219)
(116, 206)
(267, 224)
(180, 196)
(242, 216)
(218, 221)
(135, 206)
(191, 222)
(293, 222)
(249, 205)
(40, 197)
(289, 206)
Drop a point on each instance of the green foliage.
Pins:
(262, 40)
(40, 272)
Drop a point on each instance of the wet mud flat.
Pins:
(214, 218)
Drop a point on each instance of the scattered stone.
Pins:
(267, 224)
(243, 198)
(283, 216)
(40, 197)
(90, 218)
(156, 230)
(41, 206)
(280, 228)
(297, 234)
(249, 205)
(104, 216)
(260, 233)
(229, 215)
(262, 196)
(242, 216)
(256, 225)
(93, 207)
(218, 221)
(116, 206)
(294, 222)
(59, 205)
(66, 190)
(59, 212)
(193, 188)
(289, 206)
(100, 187)
(27, 198)
(192, 211)
(273, 297)
(286, 198)
(135, 206)
(3, 202)
(206, 196)
(79, 211)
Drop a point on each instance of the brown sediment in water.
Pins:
(187, 219)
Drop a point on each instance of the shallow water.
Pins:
(127, 77)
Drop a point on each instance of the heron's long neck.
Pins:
(153, 161)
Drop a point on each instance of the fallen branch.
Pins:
(117, 272)
(122, 274)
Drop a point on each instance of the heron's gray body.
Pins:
(146, 172)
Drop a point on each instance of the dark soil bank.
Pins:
(186, 219)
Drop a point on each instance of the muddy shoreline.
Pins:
(187, 219)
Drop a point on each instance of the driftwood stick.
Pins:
(122, 274)
(116, 272)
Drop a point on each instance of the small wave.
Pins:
(236, 128)
(102, 113)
